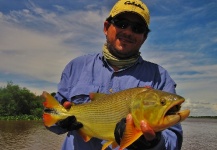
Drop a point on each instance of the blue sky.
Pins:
(38, 38)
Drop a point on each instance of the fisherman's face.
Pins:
(124, 43)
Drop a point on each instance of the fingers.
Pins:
(67, 105)
(149, 87)
(148, 132)
(129, 119)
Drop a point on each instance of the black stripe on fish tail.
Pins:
(50, 110)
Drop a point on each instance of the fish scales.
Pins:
(100, 116)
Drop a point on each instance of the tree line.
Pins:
(19, 103)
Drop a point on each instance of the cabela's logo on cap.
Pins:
(133, 3)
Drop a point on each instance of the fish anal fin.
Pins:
(85, 137)
(106, 144)
(130, 135)
(114, 145)
(96, 96)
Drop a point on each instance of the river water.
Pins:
(199, 134)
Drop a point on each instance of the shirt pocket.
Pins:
(80, 93)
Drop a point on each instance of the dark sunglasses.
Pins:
(136, 27)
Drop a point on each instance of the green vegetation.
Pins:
(18, 103)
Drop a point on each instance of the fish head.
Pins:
(160, 109)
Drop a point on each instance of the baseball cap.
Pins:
(134, 6)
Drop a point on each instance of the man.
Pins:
(118, 67)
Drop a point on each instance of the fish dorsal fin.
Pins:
(96, 96)
(130, 135)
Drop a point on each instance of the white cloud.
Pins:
(27, 52)
(195, 81)
(37, 43)
(200, 108)
(29, 48)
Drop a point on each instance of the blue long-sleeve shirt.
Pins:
(91, 73)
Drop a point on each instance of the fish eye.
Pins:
(163, 102)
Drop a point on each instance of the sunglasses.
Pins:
(136, 27)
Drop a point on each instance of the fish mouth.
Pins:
(174, 109)
(174, 114)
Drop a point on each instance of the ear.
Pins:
(106, 26)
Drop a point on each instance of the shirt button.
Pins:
(111, 91)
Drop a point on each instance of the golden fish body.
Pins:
(100, 116)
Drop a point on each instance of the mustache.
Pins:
(125, 36)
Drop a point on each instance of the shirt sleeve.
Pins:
(166, 83)
(61, 96)
(69, 89)
(171, 138)
(63, 90)
(65, 84)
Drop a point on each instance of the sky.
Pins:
(39, 37)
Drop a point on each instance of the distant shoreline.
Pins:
(211, 117)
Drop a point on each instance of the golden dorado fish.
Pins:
(100, 116)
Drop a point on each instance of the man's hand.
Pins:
(67, 105)
(148, 140)
(70, 123)
(148, 133)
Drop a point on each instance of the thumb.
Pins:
(129, 119)
(148, 132)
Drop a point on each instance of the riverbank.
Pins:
(20, 117)
(210, 117)
(198, 133)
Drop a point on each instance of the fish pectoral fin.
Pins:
(85, 137)
(106, 144)
(130, 135)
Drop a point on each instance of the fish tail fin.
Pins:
(52, 110)
(50, 101)
(50, 119)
